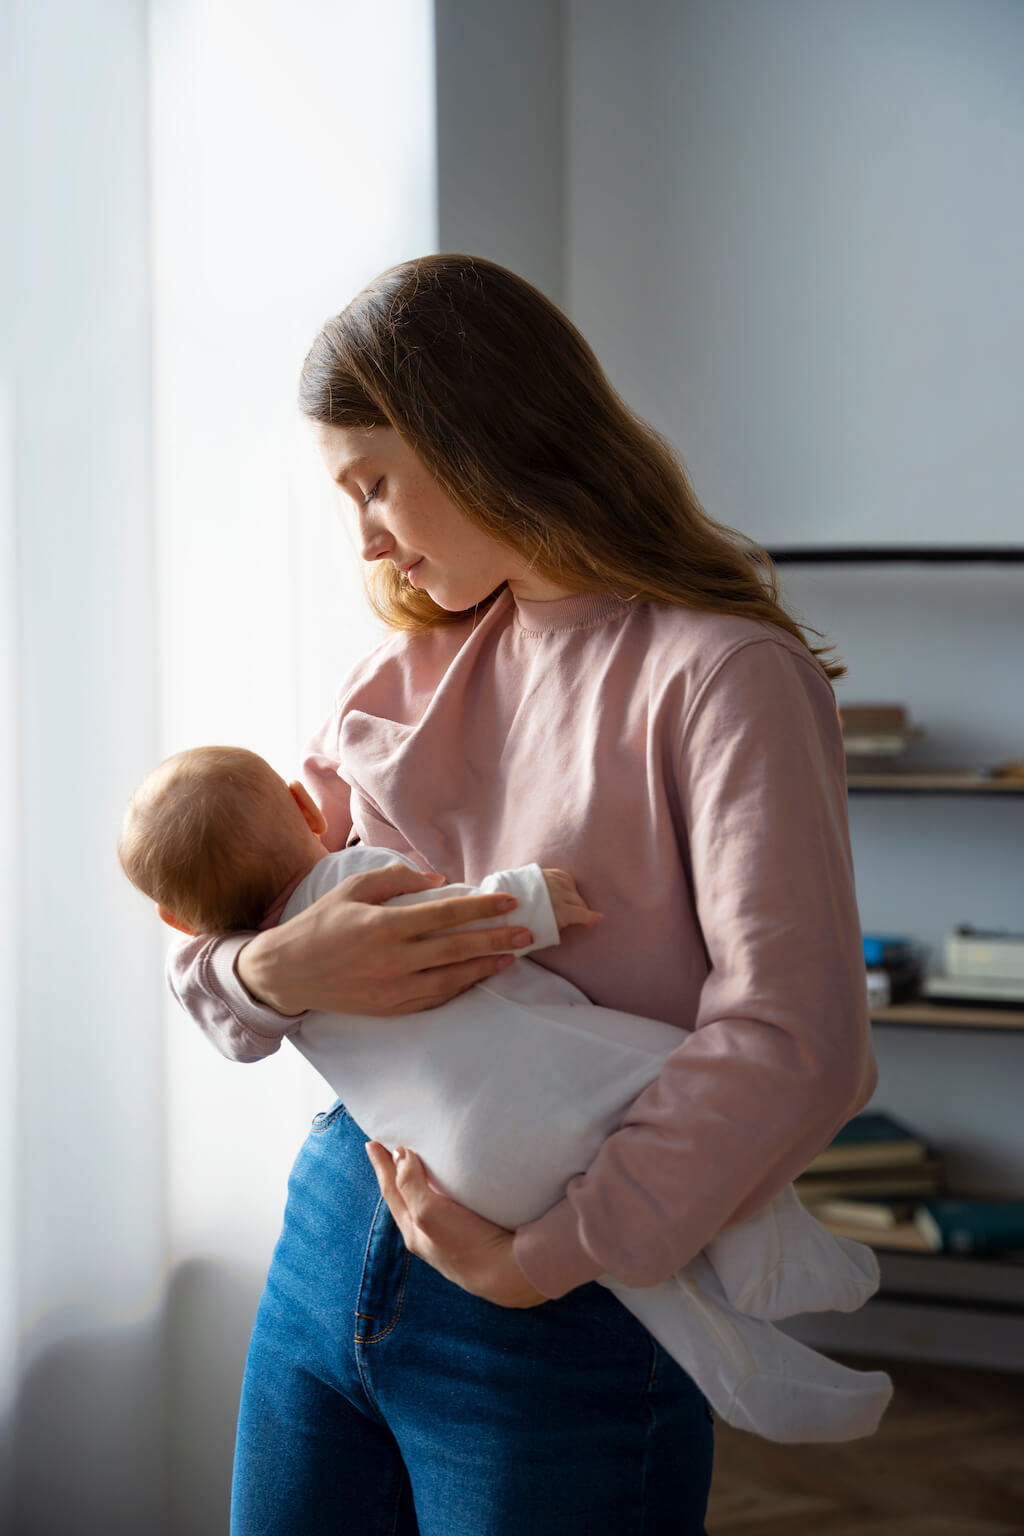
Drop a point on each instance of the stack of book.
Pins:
(876, 731)
(870, 1180)
(880, 1183)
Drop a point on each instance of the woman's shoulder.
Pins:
(704, 644)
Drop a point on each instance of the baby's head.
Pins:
(214, 836)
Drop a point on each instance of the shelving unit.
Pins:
(900, 554)
(924, 1015)
(942, 1307)
(931, 782)
(931, 1306)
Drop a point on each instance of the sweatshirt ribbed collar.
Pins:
(583, 610)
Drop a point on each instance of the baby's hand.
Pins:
(566, 900)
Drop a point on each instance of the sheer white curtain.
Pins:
(196, 185)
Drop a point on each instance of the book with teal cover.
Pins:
(971, 1226)
(870, 1139)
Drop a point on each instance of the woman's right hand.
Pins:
(348, 954)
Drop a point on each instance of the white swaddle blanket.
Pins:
(508, 1091)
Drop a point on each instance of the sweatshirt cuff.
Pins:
(551, 1255)
(225, 980)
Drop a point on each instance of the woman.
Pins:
(588, 672)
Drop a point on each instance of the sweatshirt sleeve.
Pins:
(780, 1055)
(201, 971)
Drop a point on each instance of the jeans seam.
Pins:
(375, 1338)
(652, 1415)
(359, 1342)
(326, 1118)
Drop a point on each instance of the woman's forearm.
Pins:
(269, 966)
(344, 954)
(201, 973)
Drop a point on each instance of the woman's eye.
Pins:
(371, 494)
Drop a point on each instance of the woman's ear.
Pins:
(314, 816)
(175, 922)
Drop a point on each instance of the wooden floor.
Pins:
(947, 1461)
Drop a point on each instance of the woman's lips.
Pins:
(409, 571)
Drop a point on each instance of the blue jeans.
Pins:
(380, 1398)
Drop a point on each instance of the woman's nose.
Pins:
(376, 542)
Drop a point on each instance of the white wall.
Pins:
(794, 239)
(796, 235)
(501, 135)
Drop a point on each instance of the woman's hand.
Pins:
(474, 1253)
(347, 954)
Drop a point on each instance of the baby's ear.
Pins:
(315, 818)
(175, 922)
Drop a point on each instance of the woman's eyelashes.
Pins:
(371, 494)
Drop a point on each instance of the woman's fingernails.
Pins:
(521, 936)
(503, 962)
(507, 903)
(398, 1154)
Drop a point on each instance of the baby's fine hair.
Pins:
(195, 839)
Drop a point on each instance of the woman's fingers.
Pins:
(464, 1247)
(439, 984)
(450, 949)
(426, 921)
(450, 912)
(407, 1195)
(377, 885)
(384, 1168)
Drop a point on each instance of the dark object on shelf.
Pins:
(900, 554)
(900, 959)
(872, 780)
(971, 1226)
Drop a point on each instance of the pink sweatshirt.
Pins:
(688, 769)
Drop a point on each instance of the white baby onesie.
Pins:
(508, 1091)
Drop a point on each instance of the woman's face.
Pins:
(405, 517)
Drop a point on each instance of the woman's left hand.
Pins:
(464, 1247)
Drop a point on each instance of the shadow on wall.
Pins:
(130, 1431)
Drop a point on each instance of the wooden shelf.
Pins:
(934, 1015)
(937, 782)
(996, 1279)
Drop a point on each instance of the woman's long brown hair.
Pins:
(503, 400)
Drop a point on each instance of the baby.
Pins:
(508, 1091)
